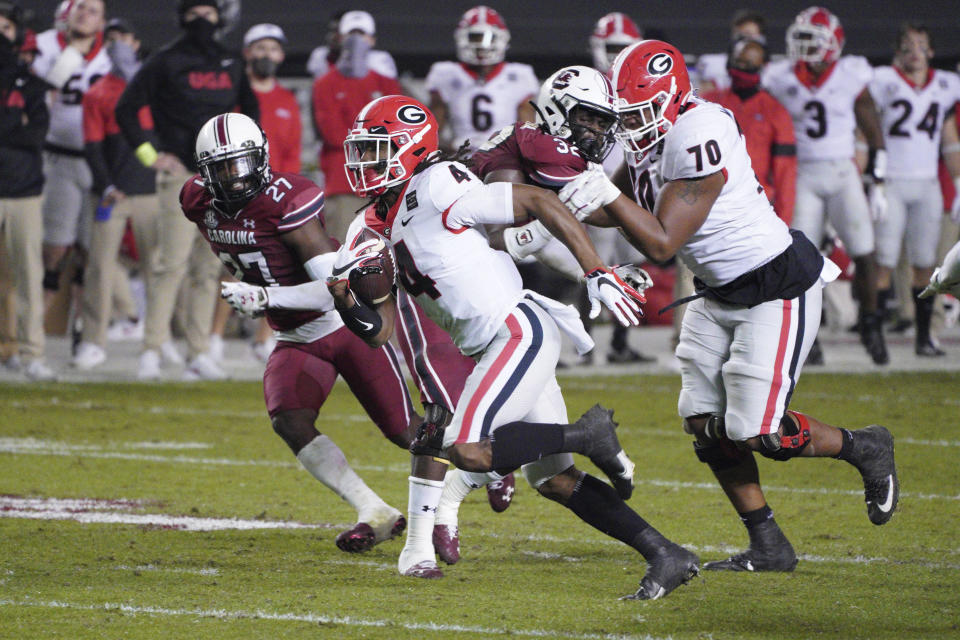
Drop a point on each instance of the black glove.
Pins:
(429, 439)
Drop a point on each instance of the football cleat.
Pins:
(671, 567)
(446, 542)
(357, 539)
(500, 493)
(769, 551)
(871, 335)
(873, 451)
(427, 569)
(600, 444)
(390, 527)
(927, 349)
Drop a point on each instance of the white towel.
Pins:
(567, 318)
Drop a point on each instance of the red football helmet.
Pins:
(611, 35)
(652, 84)
(482, 37)
(816, 35)
(389, 138)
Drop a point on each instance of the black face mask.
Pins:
(8, 54)
(264, 67)
(200, 30)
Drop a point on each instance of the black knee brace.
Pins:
(789, 440)
(51, 280)
(719, 455)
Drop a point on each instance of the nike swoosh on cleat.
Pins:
(888, 503)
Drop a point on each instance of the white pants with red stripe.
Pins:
(743, 363)
(515, 379)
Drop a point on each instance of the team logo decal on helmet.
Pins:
(563, 80)
(660, 64)
(411, 114)
(232, 155)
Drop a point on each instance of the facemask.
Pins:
(353, 57)
(124, 59)
(200, 30)
(744, 80)
(264, 67)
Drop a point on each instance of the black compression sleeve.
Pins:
(361, 319)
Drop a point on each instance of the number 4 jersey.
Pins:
(251, 244)
(912, 119)
(742, 231)
(822, 109)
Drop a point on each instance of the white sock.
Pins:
(326, 462)
(456, 486)
(421, 508)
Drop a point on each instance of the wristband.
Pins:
(361, 319)
(146, 154)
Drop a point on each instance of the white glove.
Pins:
(955, 207)
(946, 278)
(634, 276)
(248, 299)
(606, 288)
(589, 191)
(525, 240)
(877, 195)
(350, 257)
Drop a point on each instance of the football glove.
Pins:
(248, 299)
(349, 258)
(589, 191)
(877, 195)
(946, 278)
(429, 438)
(634, 276)
(605, 288)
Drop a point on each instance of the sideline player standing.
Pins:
(827, 98)
(759, 294)
(428, 208)
(913, 100)
(265, 227)
(481, 93)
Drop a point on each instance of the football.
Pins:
(373, 279)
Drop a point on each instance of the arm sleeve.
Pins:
(483, 204)
(706, 139)
(138, 93)
(783, 157)
(63, 67)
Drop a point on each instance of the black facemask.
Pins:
(264, 67)
(8, 54)
(200, 30)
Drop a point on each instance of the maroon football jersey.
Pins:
(547, 161)
(251, 242)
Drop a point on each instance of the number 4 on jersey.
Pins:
(413, 281)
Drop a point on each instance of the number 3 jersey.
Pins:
(742, 231)
(251, 243)
(912, 119)
(477, 107)
(822, 109)
(443, 260)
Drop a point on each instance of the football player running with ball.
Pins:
(757, 308)
(266, 227)
(511, 412)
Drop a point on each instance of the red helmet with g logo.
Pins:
(389, 138)
(816, 35)
(652, 84)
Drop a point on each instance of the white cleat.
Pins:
(88, 356)
(149, 365)
(417, 564)
(202, 367)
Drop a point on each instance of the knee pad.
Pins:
(51, 280)
(789, 440)
(714, 430)
(720, 454)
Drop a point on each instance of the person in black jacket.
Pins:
(185, 83)
(24, 120)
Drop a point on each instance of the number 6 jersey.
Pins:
(822, 109)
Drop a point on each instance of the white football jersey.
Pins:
(66, 103)
(912, 119)
(742, 231)
(444, 261)
(477, 108)
(823, 116)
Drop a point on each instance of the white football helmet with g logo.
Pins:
(233, 156)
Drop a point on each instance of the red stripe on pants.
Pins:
(516, 335)
(765, 427)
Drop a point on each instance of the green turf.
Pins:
(534, 571)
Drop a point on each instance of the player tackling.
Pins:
(757, 309)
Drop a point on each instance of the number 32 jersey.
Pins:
(822, 109)
(912, 119)
(742, 231)
(478, 107)
(251, 244)
(443, 259)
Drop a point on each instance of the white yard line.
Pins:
(346, 621)
(145, 568)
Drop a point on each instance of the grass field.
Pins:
(121, 476)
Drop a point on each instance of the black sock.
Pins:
(751, 519)
(924, 312)
(883, 300)
(619, 340)
(518, 443)
(846, 448)
(598, 504)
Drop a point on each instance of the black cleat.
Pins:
(871, 335)
(671, 567)
(873, 452)
(627, 356)
(927, 349)
(596, 432)
(769, 551)
(815, 357)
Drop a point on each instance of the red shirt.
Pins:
(771, 143)
(337, 100)
(280, 119)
